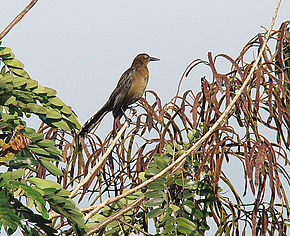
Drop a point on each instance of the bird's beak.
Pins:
(154, 59)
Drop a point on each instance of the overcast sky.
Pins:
(80, 48)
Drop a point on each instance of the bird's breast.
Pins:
(139, 83)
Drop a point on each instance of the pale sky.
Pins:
(80, 48)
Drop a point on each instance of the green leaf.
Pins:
(53, 151)
(142, 175)
(46, 143)
(157, 185)
(5, 51)
(13, 62)
(38, 150)
(174, 207)
(98, 218)
(181, 182)
(29, 191)
(154, 202)
(10, 219)
(18, 82)
(155, 212)
(22, 95)
(31, 84)
(154, 194)
(112, 224)
(188, 206)
(190, 137)
(37, 109)
(50, 167)
(8, 216)
(72, 118)
(187, 194)
(161, 163)
(7, 117)
(168, 229)
(64, 193)
(40, 90)
(50, 92)
(198, 214)
(61, 124)
(19, 72)
(44, 183)
(2, 84)
(152, 171)
(10, 100)
(169, 149)
(12, 175)
(36, 137)
(8, 78)
(66, 110)
(186, 226)
(53, 114)
(55, 101)
(51, 158)
(191, 184)
(21, 105)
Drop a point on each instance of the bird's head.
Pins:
(143, 59)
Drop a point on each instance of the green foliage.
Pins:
(177, 202)
(21, 95)
(24, 152)
(131, 217)
(14, 213)
(60, 202)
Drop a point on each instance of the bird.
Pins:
(129, 89)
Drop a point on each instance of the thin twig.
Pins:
(197, 145)
(104, 157)
(134, 227)
(17, 18)
(113, 217)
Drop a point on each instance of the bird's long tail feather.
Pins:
(95, 119)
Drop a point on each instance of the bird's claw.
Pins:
(134, 111)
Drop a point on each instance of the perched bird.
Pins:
(130, 89)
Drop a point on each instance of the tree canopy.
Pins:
(163, 174)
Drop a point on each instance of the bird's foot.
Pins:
(134, 111)
(129, 120)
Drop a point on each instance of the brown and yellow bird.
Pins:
(130, 89)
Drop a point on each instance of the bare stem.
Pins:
(104, 157)
(113, 217)
(17, 18)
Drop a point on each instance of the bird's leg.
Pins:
(126, 117)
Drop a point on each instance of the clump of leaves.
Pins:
(25, 152)
(178, 202)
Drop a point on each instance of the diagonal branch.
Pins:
(104, 157)
(117, 215)
(17, 18)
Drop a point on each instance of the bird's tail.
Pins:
(95, 119)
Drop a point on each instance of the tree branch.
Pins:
(197, 145)
(17, 18)
(113, 217)
(104, 157)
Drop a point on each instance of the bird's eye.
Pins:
(146, 56)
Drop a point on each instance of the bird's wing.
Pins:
(120, 92)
